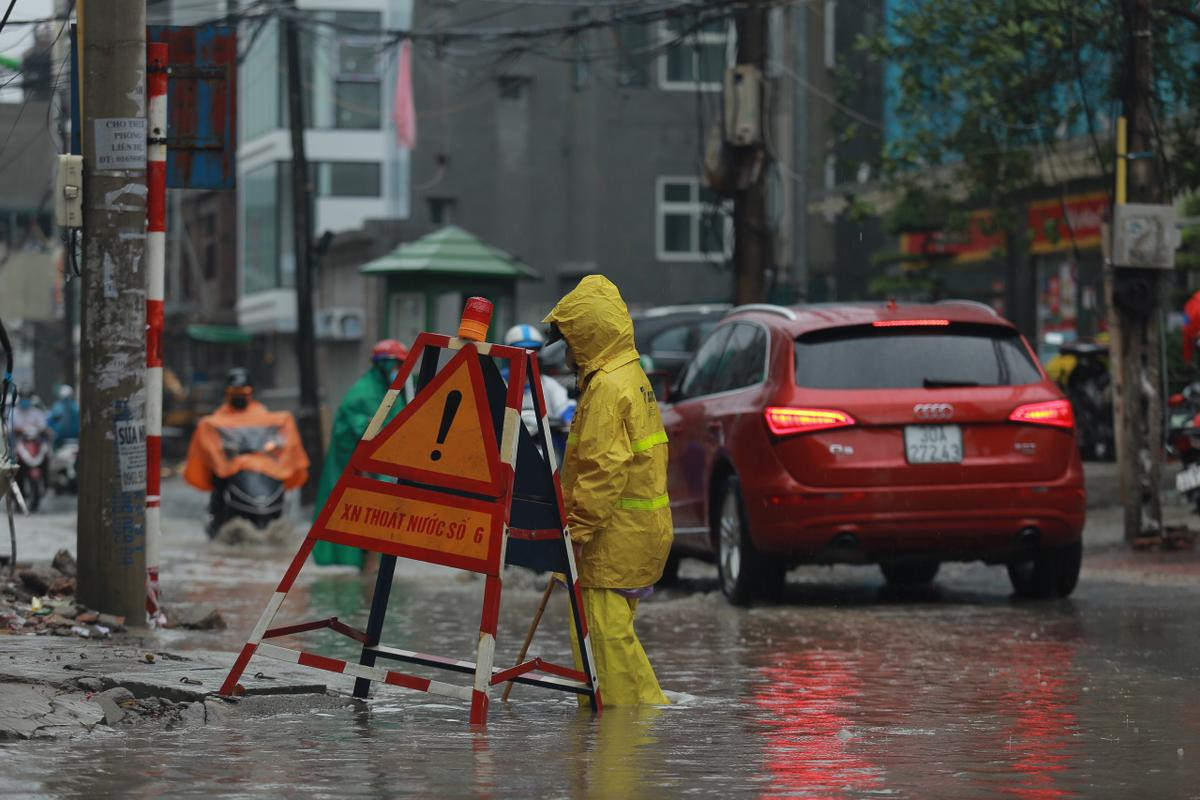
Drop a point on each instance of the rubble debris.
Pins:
(38, 579)
(41, 601)
(194, 616)
(62, 586)
(114, 703)
(111, 621)
(64, 562)
(1172, 538)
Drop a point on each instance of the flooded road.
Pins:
(841, 690)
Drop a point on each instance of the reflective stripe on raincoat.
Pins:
(614, 474)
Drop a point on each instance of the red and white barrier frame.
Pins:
(533, 672)
(156, 208)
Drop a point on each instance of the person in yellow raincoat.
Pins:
(614, 480)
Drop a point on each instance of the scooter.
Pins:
(1089, 388)
(62, 476)
(31, 451)
(1183, 440)
(247, 495)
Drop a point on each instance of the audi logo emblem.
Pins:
(933, 411)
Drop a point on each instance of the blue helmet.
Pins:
(526, 336)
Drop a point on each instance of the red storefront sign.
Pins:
(1079, 216)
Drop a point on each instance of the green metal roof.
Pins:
(218, 334)
(450, 251)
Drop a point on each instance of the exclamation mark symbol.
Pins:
(452, 401)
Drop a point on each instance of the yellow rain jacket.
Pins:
(614, 473)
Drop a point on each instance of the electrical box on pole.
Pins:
(743, 105)
(1144, 235)
(68, 192)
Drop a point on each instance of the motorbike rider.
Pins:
(239, 391)
(64, 415)
(557, 399)
(28, 418)
(211, 464)
(354, 414)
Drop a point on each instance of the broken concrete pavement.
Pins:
(67, 687)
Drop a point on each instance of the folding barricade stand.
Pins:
(460, 500)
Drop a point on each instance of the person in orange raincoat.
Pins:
(210, 461)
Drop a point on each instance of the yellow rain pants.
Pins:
(626, 677)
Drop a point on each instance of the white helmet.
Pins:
(526, 336)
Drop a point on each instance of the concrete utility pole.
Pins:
(309, 419)
(752, 250)
(70, 285)
(112, 448)
(1137, 299)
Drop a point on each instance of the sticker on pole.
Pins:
(120, 143)
(444, 438)
(413, 523)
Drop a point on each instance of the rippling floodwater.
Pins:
(840, 691)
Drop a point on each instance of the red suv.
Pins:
(903, 435)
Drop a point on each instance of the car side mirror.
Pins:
(660, 382)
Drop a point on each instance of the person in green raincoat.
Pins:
(356, 411)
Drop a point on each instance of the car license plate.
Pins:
(1188, 479)
(933, 444)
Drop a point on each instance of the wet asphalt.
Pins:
(843, 688)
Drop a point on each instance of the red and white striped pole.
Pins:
(156, 228)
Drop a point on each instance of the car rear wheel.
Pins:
(744, 572)
(910, 573)
(1052, 572)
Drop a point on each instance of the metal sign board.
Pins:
(414, 523)
(201, 105)
(444, 437)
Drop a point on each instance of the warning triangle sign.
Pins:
(444, 437)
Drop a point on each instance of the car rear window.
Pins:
(908, 358)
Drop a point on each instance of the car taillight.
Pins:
(910, 323)
(787, 421)
(1054, 412)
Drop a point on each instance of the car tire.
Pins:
(910, 573)
(1052, 572)
(744, 573)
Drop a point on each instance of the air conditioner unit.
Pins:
(340, 324)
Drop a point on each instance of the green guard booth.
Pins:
(426, 283)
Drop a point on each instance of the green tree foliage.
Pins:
(985, 91)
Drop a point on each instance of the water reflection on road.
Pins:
(840, 691)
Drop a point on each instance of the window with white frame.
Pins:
(695, 56)
(693, 223)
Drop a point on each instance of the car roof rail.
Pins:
(689, 308)
(768, 308)
(972, 303)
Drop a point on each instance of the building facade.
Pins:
(577, 154)
(356, 170)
